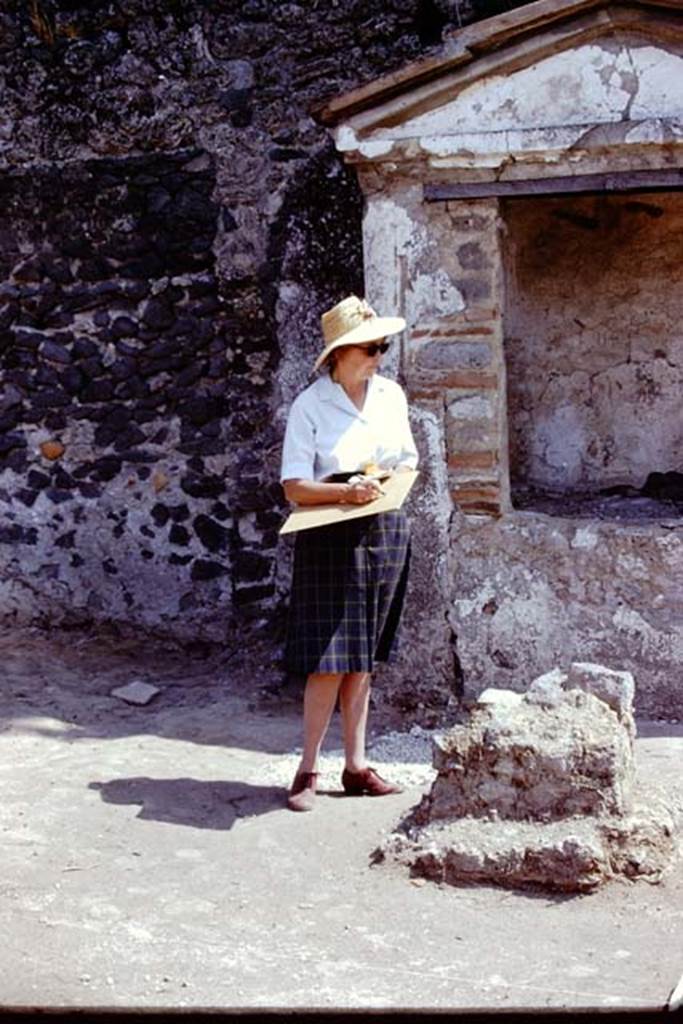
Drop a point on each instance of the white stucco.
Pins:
(430, 296)
(585, 85)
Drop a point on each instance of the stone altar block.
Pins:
(539, 789)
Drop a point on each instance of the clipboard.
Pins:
(396, 488)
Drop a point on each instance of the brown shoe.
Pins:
(367, 783)
(302, 794)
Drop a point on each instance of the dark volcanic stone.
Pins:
(46, 375)
(158, 314)
(56, 420)
(11, 440)
(175, 559)
(179, 535)
(105, 435)
(26, 496)
(204, 570)
(72, 380)
(251, 565)
(83, 347)
(57, 496)
(213, 536)
(179, 513)
(37, 479)
(89, 490)
(202, 448)
(124, 327)
(98, 391)
(130, 437)
(160, 514)
(250, 595)
(10, 418)
(63, 479)
(106, 468)
(17, 461)
(92, 366)
(50, 397)
(123, 368)
(137, 456)
(27, 340)
(202, 487)
(14, 533)
(54, 352)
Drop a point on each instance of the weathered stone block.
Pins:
(471, 407)
(447, 354)
(531, 762)
(575, 855)
(547, 690)
(463, 434)
(536, 789)
(614, 688)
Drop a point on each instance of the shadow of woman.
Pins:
(192, 802)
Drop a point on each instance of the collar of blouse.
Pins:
(332, 392)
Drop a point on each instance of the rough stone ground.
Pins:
(148, 861)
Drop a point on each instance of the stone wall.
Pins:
(593, 339)
(533, 590)
(173, 224)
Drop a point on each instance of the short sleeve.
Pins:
(298, 450)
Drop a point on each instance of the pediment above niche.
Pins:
(591, 84)
(543, 77)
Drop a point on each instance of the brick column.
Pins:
(459, 359)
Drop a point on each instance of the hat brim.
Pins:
(370, 330)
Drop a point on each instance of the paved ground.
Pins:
(146, 863)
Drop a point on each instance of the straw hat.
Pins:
(353, 322)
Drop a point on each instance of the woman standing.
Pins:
(349, 578)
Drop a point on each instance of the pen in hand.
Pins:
(360, 478)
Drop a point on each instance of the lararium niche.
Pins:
(523, 205)
(593, 342)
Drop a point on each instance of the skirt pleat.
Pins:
(348, 587)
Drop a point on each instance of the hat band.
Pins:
(353, 319)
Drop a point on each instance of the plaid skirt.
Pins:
(348, 586)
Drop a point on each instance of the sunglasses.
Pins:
(374, 348)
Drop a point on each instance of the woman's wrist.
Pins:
(345, 490)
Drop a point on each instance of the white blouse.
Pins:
(327, 434)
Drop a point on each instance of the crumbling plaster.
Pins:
(585, 85)
(561, 109)
(534, 590)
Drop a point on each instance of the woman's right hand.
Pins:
(362, 492)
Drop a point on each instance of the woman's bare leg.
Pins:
(320, 697)
(354, 700)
